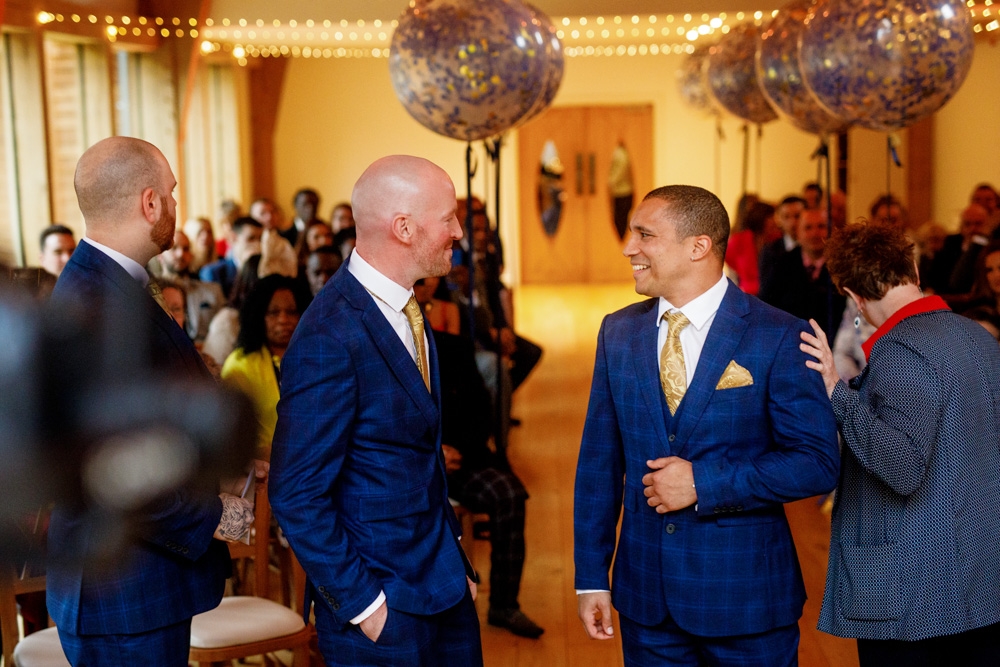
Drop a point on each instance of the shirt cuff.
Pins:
(591, 590)
(370, 610)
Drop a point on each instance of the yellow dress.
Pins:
(254, 374)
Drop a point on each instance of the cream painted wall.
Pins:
(967, 137)
(337, 116)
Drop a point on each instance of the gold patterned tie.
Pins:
(416, 319)
(673, 374)
(153, 288)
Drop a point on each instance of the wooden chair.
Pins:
(242, 626)
(40, 649)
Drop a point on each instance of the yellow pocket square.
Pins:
(734, 376)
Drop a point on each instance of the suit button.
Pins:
(670, 529)
(739, 508)
(321, 589)
(336, 606)
(717, 510)
(672, 437)
(184, 550)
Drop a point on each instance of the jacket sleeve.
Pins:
(316, 414)
(891, 433)
(600, 477)
(803, 459)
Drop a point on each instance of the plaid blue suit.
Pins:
(726, 566)
(357, 477)
(174, 569)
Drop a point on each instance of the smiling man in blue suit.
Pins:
(701, 424)
(357, 473)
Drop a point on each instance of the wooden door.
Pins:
(585, 247)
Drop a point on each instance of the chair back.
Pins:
(13, 582)
(257, 550)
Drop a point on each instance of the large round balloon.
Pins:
(732, 76)
(691, 81)
(555, 62)
(884, 64)
(780, 78)
(467, 69)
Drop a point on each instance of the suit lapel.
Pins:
(648, 374)
(390, 347)
(723, 339)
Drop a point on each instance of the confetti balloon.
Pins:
(884, 64)
(555, 62)
(468, 69)
(780, 78)
(732, 75)
(691, 81)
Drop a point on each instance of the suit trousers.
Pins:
(440, 640)
(973, 648)
(668, 644)
(163, 647)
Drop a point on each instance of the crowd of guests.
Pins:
(778, 253)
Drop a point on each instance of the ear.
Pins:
(150, 205)
(701, 246)
(402, 228)
(858, 301)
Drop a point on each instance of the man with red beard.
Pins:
(138, 607)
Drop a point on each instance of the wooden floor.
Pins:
(543, 451)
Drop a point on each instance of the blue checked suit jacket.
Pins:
(726, 566)
(173, 568)
(357, 476)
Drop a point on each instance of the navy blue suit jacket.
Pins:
(726, 566)
(173, 568)
(357, 475)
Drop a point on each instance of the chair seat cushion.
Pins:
(243, 619)
(40, 649)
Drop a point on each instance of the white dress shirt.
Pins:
(700, 313)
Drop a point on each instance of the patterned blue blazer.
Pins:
(726, 566)
(173, 568)
(915, 539)
(357, 475)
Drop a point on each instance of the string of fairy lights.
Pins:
(582, 36)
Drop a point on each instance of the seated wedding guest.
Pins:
(56, 246)
(756, 231)
(915, 537)
(267, 320)
(203, 299)
(225, 326)
(889, 210)
(434, 298)
(986, 282)
(229, 212)
(341, 217)
(175, 299)
(480, 480)
(321, 264)
(345, 240)
(930, 238)
(202, 238)
(246, 243)
(317, 234)
(987, 196)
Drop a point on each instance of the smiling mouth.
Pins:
(639, 267)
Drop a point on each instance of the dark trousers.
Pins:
(439, 640)
(973, 648)
(668, 644)
(163, 647)
(501, 495)
(523, 360)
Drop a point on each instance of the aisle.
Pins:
(552, 407)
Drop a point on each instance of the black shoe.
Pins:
(515, 621)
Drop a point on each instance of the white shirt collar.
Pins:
(392, 293)
(701, 309)
(134, 268)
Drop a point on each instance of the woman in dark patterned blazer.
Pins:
(914, 570)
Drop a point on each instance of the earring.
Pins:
(857, 322)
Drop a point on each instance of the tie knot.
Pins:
(412, 312)
(675, 321)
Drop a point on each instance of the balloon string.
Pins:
(746, 158)
(470, 171)
(719, 138)
(760, 139)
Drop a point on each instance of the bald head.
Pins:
(111, 176)
(404, 212)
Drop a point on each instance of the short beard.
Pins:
(162, 233)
